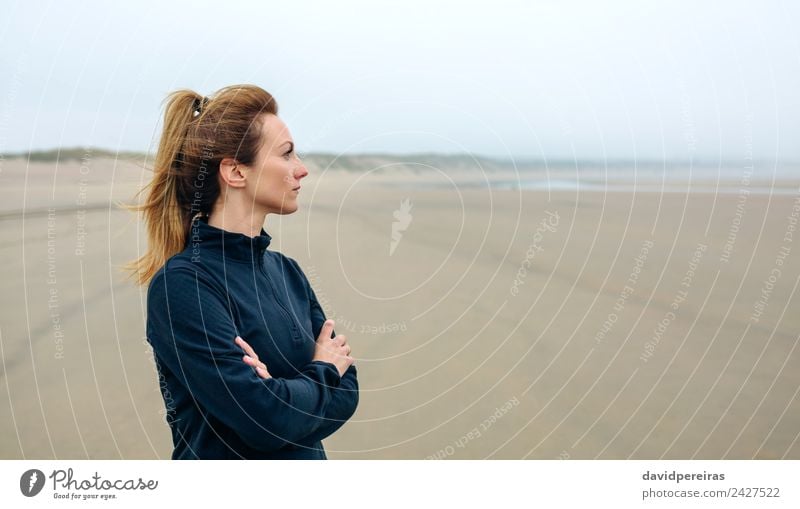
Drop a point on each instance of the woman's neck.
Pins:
(239, 219)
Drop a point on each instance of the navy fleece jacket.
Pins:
(225, 284)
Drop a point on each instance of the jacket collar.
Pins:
(230, 245)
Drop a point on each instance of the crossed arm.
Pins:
(344, 399)
(341, 406)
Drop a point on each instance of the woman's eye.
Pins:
(293, 151)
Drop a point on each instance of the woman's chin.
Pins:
(290, 207)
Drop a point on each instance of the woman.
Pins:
(223, 164)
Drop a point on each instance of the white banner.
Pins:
(370, 484)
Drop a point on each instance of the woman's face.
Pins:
(278, 169)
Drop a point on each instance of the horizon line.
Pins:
(70, 153)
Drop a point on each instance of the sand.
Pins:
(505, 323)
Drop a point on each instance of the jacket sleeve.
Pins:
(344, 400)
(192, 332)
(345, 397)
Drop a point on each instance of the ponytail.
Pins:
(163, 214)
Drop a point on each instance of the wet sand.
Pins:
(506, 323)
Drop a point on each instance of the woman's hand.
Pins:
(251, 358)
(333, 350)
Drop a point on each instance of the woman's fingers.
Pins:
(259, 366)
(327, 329)
(247, 348)
(254, 362)
(251, 358)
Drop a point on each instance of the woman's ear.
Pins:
(232, 172)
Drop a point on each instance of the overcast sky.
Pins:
(637, 79)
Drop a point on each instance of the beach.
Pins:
(491, 315)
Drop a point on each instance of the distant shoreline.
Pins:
(367, 160)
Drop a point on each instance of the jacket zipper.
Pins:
(295, 332)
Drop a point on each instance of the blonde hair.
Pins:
(198, 133)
